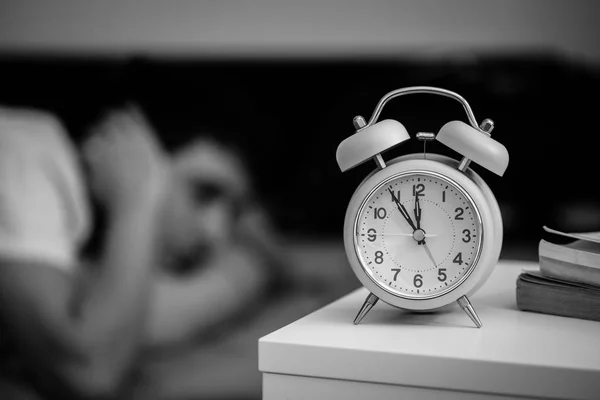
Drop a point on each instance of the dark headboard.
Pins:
(289, 116)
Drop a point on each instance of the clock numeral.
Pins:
(444, 196)
(396, 272)
(418, 280)
(372, 235)
(396, 197)
(467, 237)
(418, 189)
(379, 212)
(442, 274)
(379, 256)
(459, 212)
(458, 259)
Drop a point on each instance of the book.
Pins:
(593, 237)
(542, 294)
(577, 261)
(568, 280)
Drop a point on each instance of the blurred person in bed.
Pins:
(76, 328)
(217, 227)
(220, 259)
(68, 331)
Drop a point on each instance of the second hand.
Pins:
(429, 254)
(427, 235)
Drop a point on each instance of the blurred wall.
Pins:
(301, 28)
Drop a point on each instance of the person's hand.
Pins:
(128, 169)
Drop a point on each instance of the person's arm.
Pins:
(231, 284)
(184, 307)
(82, 339)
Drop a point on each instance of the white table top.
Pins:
(515, 352)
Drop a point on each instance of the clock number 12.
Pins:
(418, 189)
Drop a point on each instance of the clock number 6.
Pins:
(418, 281)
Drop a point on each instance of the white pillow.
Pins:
(44, 213)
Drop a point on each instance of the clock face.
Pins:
(418, 235)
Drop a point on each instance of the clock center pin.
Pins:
(419, 235)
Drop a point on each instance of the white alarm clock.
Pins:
(423, 230)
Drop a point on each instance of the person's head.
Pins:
(209, 188)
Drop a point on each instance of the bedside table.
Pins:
(395, 354)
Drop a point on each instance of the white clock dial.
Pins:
(418, 257)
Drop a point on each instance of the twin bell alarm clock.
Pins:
(422, 230)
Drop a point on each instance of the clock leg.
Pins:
(467, 307)
(366, 307)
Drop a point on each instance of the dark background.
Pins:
(282, 80)
(287, 117)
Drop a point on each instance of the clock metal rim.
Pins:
(457, 186)
(480, 194)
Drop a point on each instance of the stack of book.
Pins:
(567, 282)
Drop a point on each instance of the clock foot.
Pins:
(467, 307)
(366, 307)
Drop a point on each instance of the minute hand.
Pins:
(403, 210)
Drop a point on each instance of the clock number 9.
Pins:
(379, 256)
(418, 281)
(371, 235)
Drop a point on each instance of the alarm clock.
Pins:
(422, 231)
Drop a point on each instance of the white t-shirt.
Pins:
(44, 212)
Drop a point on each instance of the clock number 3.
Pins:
(467, 237)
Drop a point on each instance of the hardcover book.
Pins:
(568, 280)
(578, 261)
(538, 293)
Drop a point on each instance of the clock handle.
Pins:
(457, 135)
(373, 138)
(425, 90)
(366, 307)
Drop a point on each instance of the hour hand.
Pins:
(417, 211)
(402, 210)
